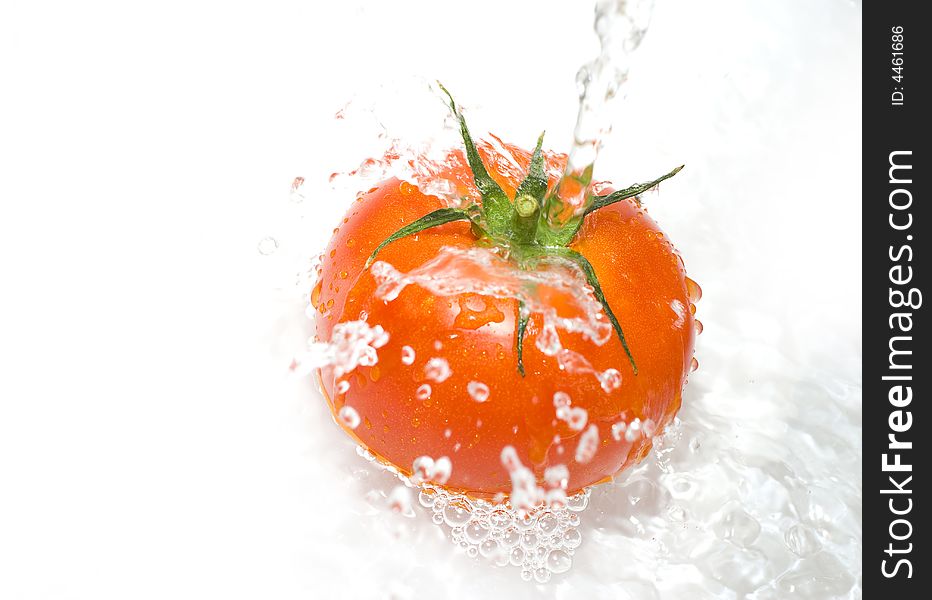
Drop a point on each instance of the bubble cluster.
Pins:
(540, 542)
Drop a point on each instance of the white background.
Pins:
(150, 443)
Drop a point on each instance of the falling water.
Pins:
(620, 25)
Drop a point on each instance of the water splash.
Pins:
(620, 25)
(352, 344)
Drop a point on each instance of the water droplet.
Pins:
(697, 324)
(422, 469)
(423, 392)
(267, 246)
(588, 444)
(693, 365)
(437, 369)
(557, 476)
(541, 575)
(478, 391)
(576, 418)
(349, 417)
(407, 355)
(561, 399)
(548, 341)
(693, 290)
(610, 380)
(399, 500)
(443, 468)
(343, 386)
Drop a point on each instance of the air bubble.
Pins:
(547, 523)
(426, 497)
(559, 561)
(572, 538)
(456, 513)
(476, 532)
(489, 548)
(267, 246)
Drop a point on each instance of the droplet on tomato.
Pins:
(588, 445)
(548, 341)
(697, 324)
(693, 365)
(680, 310)
(343, 387)
(618, 430)
(437, 369)
(577, 418)
(510, 459)
(422, 469)
(349, 417)
(556, 498)
(693, 290)
(423, 392)
(478, 391)
(407, 355)
(561, 399)
(610, 379)
(557, 476)
(443, 468)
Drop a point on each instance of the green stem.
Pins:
(525, 219)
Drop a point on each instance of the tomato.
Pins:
(463, 347)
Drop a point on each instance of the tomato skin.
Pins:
(641, 276)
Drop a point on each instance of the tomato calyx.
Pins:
(520, 226)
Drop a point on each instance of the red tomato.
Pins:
(642, 278)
